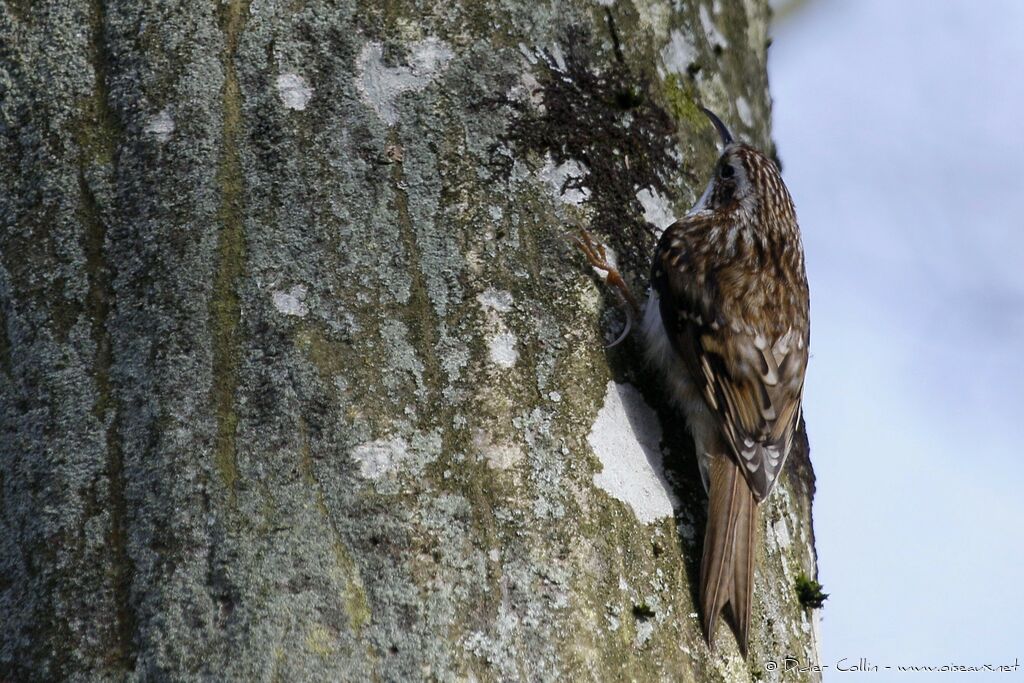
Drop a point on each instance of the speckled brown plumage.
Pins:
(727, 325)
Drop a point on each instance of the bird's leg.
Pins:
(597, 255)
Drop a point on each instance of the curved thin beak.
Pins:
(723, 132)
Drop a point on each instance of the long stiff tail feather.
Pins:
(730, 544)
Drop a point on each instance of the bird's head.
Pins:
(745, 181)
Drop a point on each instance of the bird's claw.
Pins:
(597, 256)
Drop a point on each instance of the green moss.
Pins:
(808, 591)
(325, 354)
(681, 98)
(225, 308)
(391, 579)
(96, 134)
(319, 640)
(20, 9)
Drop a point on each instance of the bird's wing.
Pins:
(750, 379)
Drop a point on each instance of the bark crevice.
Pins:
(225, 302)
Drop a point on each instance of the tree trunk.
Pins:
(300, 376)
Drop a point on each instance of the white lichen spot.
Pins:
(558, 58)
(402, 355)
(654, 15)
(380, 85)
(528, 90)
(455, 356)
(381, 457)
(781, 533)
(555, 397)
(644, 631)
(495, 300)
(657, 209)
(744, 112)
(679, 53)
(498, 456)
(715, 36)
(613, 622)
(626, 437)
(757, 31)
(502, 349)
(294, 91)
(494, 555)
(529, 54)
(292, 302)
(495, 212)
(160, 126)
(564, 180)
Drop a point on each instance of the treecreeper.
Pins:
(726, 328)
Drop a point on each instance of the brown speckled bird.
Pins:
(727, 327)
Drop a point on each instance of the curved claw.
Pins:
(597, 255)
(625, 331)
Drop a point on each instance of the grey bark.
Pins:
(298, 370)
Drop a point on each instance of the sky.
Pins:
(900, 126)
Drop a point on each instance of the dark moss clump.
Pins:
(809, 593)
(642, 612)
(599, 111)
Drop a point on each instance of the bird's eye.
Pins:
(727, 171)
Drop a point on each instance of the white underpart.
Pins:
(684, 393)
(160, 126)
(292, 302)
(294, 91)
(702, 201)
(626, 437)
(381, 86)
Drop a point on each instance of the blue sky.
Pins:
(901, 130)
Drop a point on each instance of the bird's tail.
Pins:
(730, 543)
